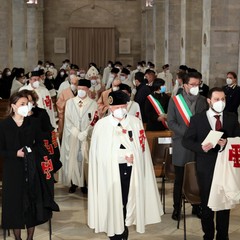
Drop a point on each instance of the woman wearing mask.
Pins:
(156, 107)
(20, 144)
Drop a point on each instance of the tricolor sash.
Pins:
(158, 108)
(183, 108)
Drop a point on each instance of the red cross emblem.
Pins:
(54, 139)
(49, 147)
(142, 139)
(48, 102)
(47, 167)
(234, 155)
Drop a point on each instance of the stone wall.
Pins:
(60, 15)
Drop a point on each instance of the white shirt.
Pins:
(211, 119)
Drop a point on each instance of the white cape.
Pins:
(225, 189)
(105, 211)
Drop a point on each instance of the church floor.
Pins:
(70, 223)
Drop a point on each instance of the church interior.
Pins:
(202, 34)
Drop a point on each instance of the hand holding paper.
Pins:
(213, 137)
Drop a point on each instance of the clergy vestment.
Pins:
(79, 115)
(105, 206)
(44, 101)
(133, 108)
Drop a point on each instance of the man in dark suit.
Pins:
(200, 125)
(142, 92)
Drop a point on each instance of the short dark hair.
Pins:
(214, 89)
(140, 77)
(192, 75)
(157, 83)
(182, 75)
(233, 73)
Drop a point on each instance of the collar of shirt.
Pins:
(212, 120)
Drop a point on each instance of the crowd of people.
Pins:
(91, 125)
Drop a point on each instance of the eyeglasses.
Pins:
(194, 85)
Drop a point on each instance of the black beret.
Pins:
(41, 72)
(115, 70)
(34, 74)
(118, 98)
(123, 86)
(84, 82)
(125, 71)
(19, 72)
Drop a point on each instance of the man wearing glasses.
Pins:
(180, 109)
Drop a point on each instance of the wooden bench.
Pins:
(158, 149)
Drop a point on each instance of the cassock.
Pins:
(44, 101)
(225, 189)
(105, 207)
(75, 141)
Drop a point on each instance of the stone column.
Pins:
(19, 32)
(149, 34)
(206, 31)
(183, 33)
(166, 32)
(159, 32)
(6, 34)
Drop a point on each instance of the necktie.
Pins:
(218, 124)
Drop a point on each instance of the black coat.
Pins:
(17, 212)
(140, 97)
(152, 123)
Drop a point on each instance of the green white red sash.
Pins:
(158, 108)
(183, 108)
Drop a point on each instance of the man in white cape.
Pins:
(80, 117)
(44, 100)
(122, 189)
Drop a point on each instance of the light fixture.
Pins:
(149, 3)
(32, 1)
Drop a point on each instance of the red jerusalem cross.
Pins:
(47, 167)
(48, 102)
(48, 146)
(234, 155)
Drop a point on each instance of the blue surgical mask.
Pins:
(163, 89)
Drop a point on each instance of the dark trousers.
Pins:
(177, 189)
(125, 176)
(207, 220)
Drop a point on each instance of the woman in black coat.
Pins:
(20, 141)
(154, 120)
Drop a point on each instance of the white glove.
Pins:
(83, 135)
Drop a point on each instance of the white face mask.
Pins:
(73, 87)
(62, 74)
(82, 75)
(139, 67)
(93, 82)
(218, 106)
(109, 65)
(82, 93)
(35, 84)
(50, 77)
(47, 66)
(0, 75)
(177, 83)
(120, 113)
(9, 73)
(122, 78)
(51, 66)
(30, 106)
(23, 110)
(115, 88)
(229, 81)
(194, 91)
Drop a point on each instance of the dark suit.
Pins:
(194, 136)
